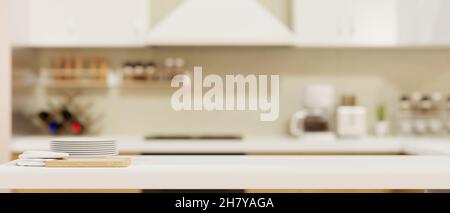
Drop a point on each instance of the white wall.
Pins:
(5, 82)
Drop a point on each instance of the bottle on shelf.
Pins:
(79, 69)
(54, 71)
(93, 69)
(103, 69)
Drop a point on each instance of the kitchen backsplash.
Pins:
(375, 76)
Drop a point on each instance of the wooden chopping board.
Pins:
(90, 162)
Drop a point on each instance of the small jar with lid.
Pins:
(127, 71)
(434, 115)
(150, 71)
(179, 66)
(405, 125)
(139, 72)
(169, 64)
(448, 113)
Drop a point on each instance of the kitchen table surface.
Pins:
(242, 172)
(263, 144)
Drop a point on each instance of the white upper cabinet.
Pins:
(81, 23)
(424, 22)
(373, 22)
(20, 22)
(317, 23)
(345, 22)
(117, 22)
(51, 23)
(320, 22)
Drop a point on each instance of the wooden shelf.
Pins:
(164, 84)
(94, 84)
(72, 84)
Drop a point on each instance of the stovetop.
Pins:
(194, 137)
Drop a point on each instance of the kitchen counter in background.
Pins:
(263, 145)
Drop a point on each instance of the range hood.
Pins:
(219, 23)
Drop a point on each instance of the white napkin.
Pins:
(32, 162)
(43, 155)
(38, 158)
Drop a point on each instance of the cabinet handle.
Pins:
(137, 28)
(70, 27)
(339, 28)
(351, 26)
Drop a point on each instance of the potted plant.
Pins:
(382, 125)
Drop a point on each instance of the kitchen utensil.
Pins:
(315, 115)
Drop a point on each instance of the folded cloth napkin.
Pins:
(38, 158)
(43, 155)
(32, 162)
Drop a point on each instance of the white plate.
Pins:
(73, 150)
(86, 154)
(85, 147)
(82, 139)
(84, 150)
(66, 146)
(84, 144)
(91, 147)
(91, 156)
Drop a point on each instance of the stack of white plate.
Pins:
(85, 147)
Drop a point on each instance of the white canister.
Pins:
(351, 121)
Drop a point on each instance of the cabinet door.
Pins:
(435, 22)
(20, 22)
(51, 22)
(346, 22)
(373, 23)
(424, 22)
(408, 25)
(321, 22)
(110, 22)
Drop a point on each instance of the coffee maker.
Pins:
(314, 120)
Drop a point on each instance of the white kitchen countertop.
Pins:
(242, 172)
(263, 144)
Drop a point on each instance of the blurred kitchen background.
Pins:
(102, 67)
